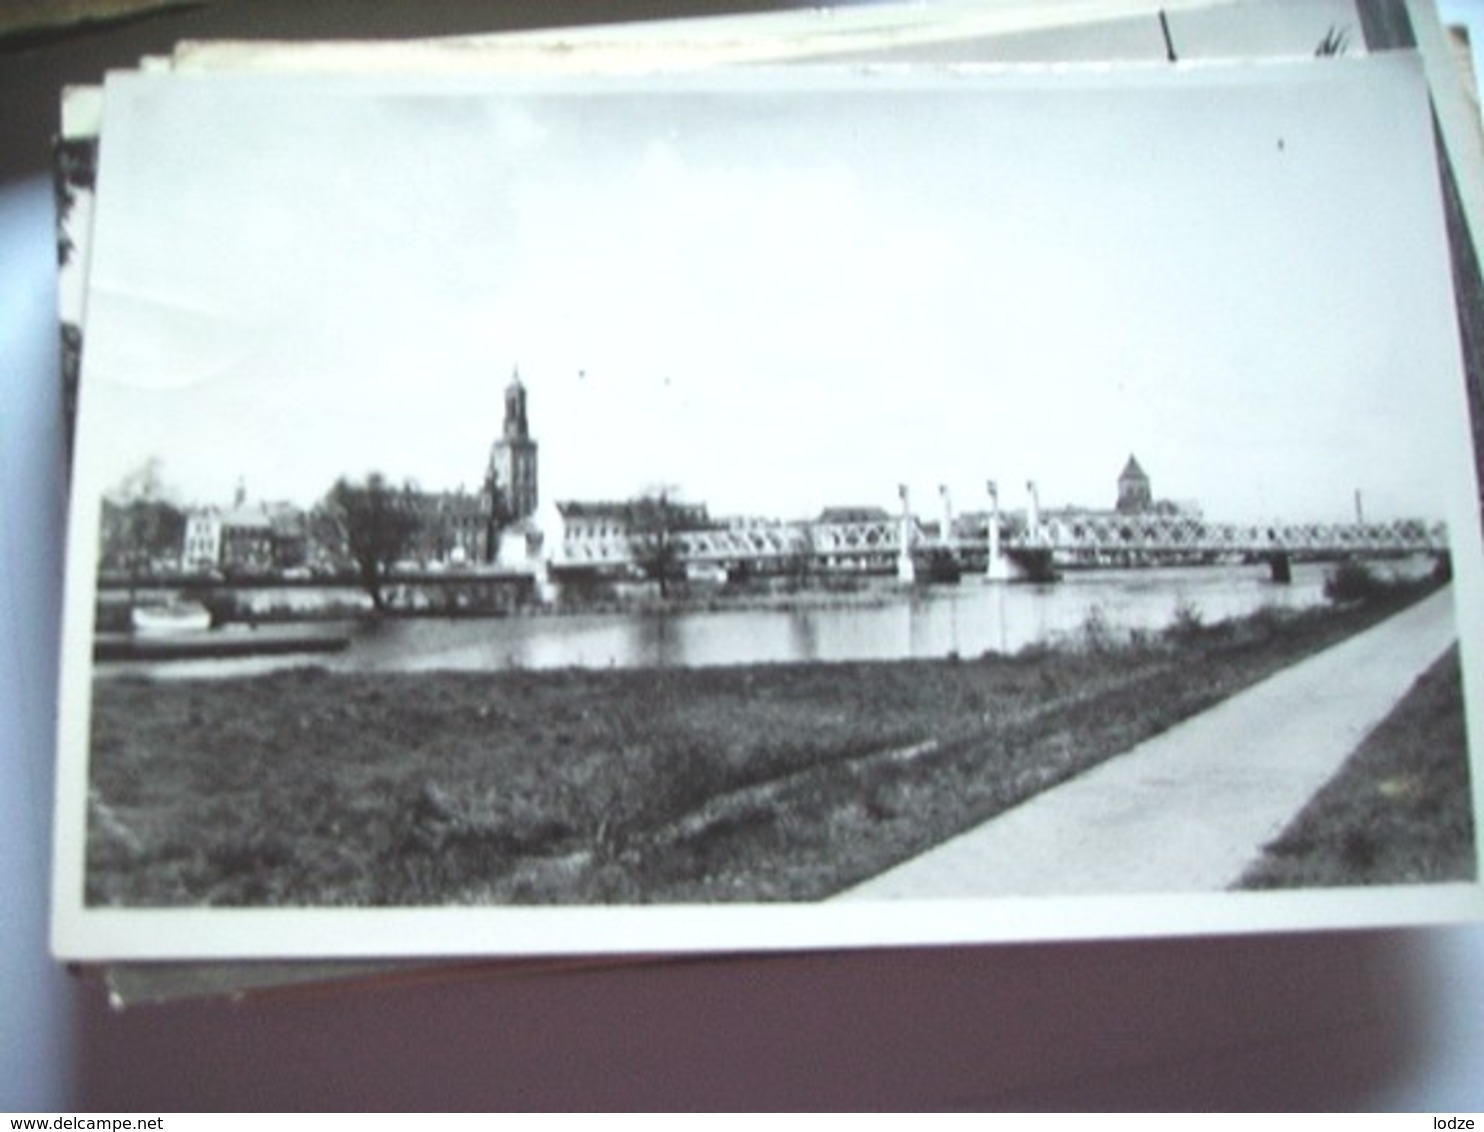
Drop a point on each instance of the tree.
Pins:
(653, 521)
(371, 523)
(141, 528)
(798, 562)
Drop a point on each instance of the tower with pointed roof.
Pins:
(1134, 494)
(511, 479)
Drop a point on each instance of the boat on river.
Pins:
(182, 630)
(169, 618)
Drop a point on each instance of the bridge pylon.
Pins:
(906, 568)
(998, 567)
(1033, 515)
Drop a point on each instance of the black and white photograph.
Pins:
(765, 508)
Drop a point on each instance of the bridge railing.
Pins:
(1176, 533)
(871, 543)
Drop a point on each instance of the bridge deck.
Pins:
(878, 542)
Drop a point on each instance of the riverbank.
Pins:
(868, 592)
(760, 782)
(453, 597)
(477, 597)
(1188, 810)
(1400, 809)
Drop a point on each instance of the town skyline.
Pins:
(926, 505)
(773, 297)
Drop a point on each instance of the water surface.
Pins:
(968, 620)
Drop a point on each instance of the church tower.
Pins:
(512, 469)
(1133, 489)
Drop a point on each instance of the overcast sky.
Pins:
(780, 293)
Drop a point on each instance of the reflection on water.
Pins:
(968, 619)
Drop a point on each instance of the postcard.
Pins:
(764, 509)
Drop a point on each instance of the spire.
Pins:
(510, 483)
(516, 427)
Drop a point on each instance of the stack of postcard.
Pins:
(884, 476)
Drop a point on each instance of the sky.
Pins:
(773, 293)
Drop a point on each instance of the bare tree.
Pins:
(141, 528)
(654, 519)
(799, 561)
(373, 524)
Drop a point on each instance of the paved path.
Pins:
(1190, 809)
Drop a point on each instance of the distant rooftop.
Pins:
(853, 514)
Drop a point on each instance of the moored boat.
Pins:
(170, 618)
(217, 644)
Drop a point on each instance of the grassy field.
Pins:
(767, 782)
(1399, 811)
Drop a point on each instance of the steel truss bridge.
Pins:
(1092, 536)
(1086, 539)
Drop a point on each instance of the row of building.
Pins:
(265, 537)
(444, 528)
(494, 525)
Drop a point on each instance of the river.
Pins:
(968, 619)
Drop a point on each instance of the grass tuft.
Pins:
(1399, 810)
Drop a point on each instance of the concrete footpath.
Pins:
(1191, 808)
